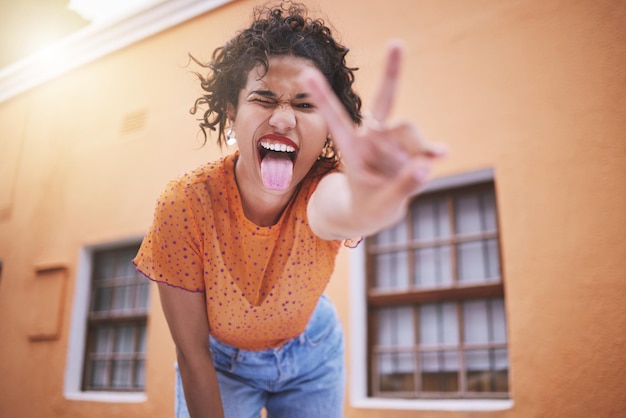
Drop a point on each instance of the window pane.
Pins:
(484, 321)
(440, 371)
(470, 262)
(468, 216)
(125, 266)
(396, 327)
(396, 372)
(493, 259)
(475, 213)
(438, 324)
(103, 299)
(143, 291)
(126, 270)
(140, 374)
(501, 359)
(391, 271)
(103, 340)
(122, 374)
(123, 298)
(104, 265)
(141, 343)
(430, 219)
(498, 320)
(489, 211)
(478, 261)
(99, 373)
(432, 267)
(440, 361)
(125, 340)
(487, 370)
(393, 235)
(477, 360)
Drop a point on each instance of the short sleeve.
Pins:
(171, 251)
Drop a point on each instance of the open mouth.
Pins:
(277, 156)
(277, 144)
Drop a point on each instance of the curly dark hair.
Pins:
(283, 29)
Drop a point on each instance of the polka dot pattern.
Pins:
(261, 283)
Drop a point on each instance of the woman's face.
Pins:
(279, 132)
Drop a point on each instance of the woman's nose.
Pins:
(283, 118)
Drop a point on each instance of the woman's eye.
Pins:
(262, 101)
(304, 106)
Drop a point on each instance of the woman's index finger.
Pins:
(328, 104)
(386, 93)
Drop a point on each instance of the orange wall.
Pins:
(534, 89)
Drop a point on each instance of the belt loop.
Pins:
(234, 359)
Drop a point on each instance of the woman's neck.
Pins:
(260, 206)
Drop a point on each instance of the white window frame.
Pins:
(72, 385)
(358, 327)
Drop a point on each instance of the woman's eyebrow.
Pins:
(264, 93)
(272, 95)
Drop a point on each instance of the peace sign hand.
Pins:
(386, 162)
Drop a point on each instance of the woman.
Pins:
(242, 248)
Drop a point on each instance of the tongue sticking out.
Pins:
(276, 170)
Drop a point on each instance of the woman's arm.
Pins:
(186, 317)
(385, 163)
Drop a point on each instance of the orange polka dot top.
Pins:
(261, 283)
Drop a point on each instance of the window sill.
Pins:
(434, 405)
(112, 397)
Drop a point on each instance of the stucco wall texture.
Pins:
(536, 90)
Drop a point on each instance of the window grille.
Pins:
(436, 314)
(118, 312)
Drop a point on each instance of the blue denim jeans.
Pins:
(305, 377)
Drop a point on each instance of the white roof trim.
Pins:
(97, 40)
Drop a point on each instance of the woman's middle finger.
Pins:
(386, 93)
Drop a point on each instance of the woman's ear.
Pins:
(231, 112)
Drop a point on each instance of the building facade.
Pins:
(502, 294)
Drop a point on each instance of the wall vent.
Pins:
(133, 122)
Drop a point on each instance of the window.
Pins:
(115, 346)
(435, 300)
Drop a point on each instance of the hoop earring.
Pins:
(327, 150)
(230, 137)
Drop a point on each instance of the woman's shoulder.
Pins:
(210, 172)
(201, 180)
